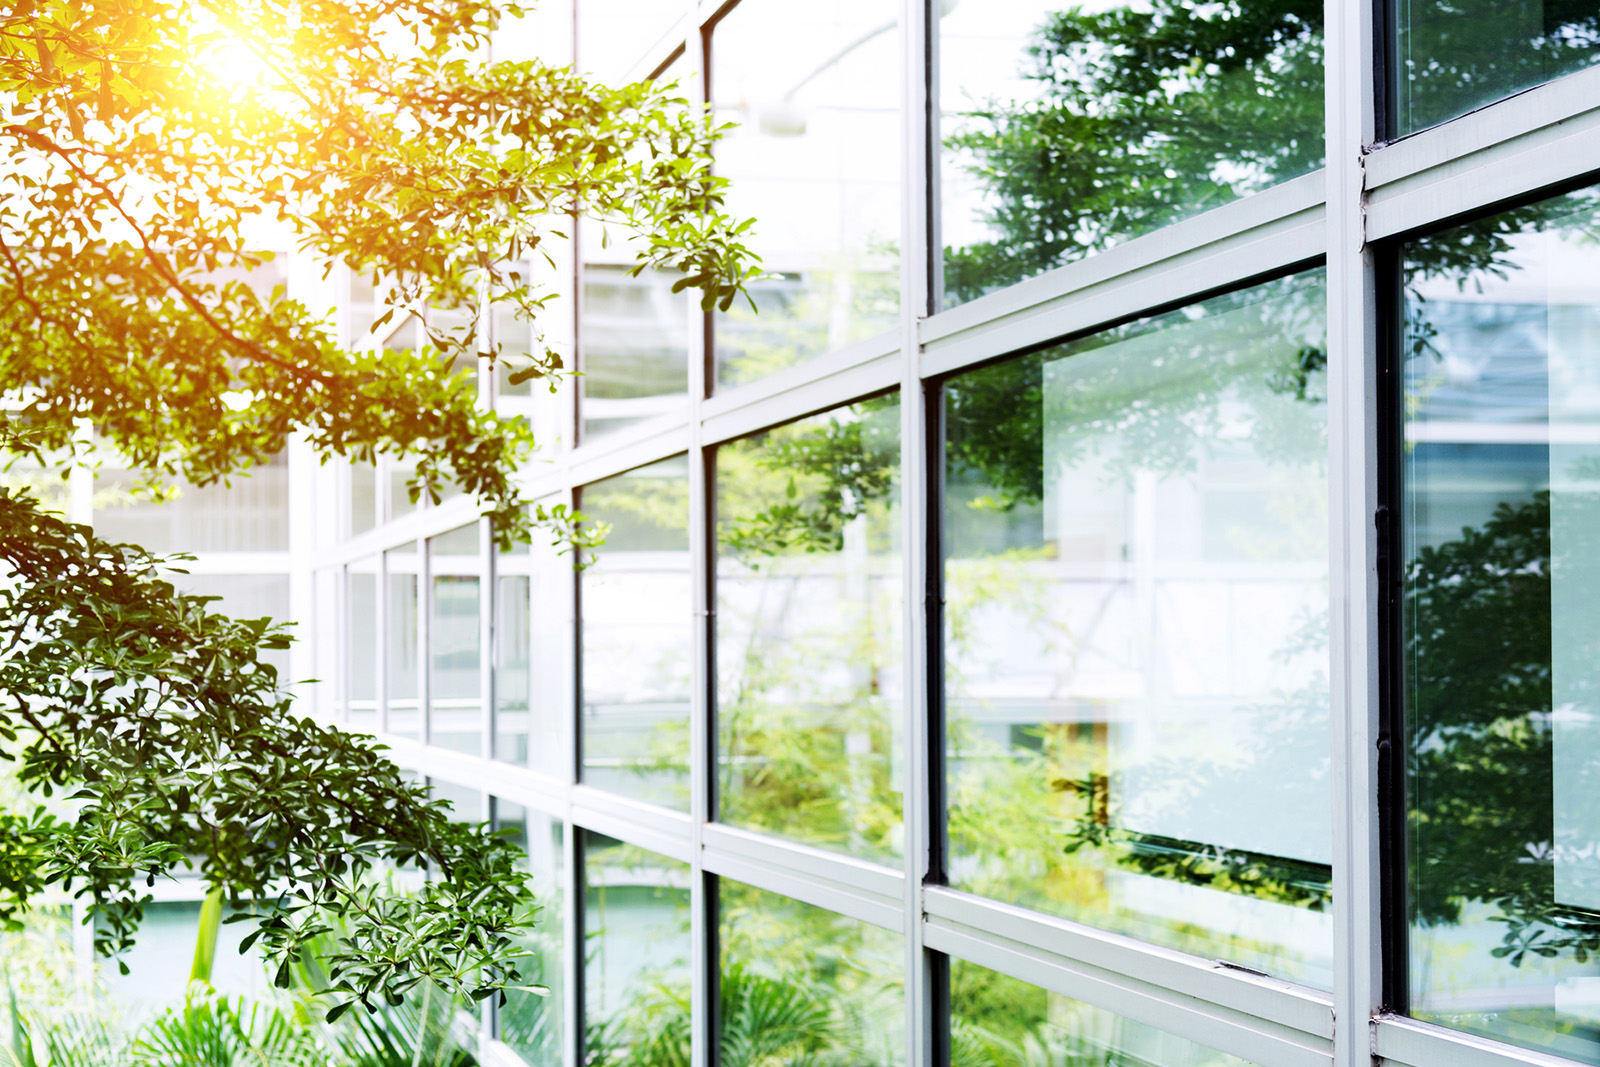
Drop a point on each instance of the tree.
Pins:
(377, 133)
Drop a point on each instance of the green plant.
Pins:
(375, 134)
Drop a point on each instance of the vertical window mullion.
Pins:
(1350, 73)
(919, 271)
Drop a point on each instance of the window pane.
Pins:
(251, 515)
(1067, 129)
(401, 666)
(364, 626)
(617, 37)
(1454, 56)
(815, 89)
(808, 631)
(455, 686)
(363, 497)
(637, 636)
(635, 341)
(531, 1024)
(1136, 662)
(636, 956)
(999, 1021)
(513, 660)
(1500, 462)
(804, 985)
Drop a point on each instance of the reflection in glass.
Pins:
(364, 628)
(1455, 56)
(531, 1024)
(637, 637)
(999, 1021)
(636, 960)
(1069, 128)
(513, 655)
(401, 665)
(397, 500)
(802, 985)
(251, 515)
(815, 159)
(1136, 630)
(622, 39)
(1501, 475)
(363, 497)
(634, 337)
(455, 685)
(808, 617)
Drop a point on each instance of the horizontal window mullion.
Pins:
(1398, 1040)
(668, 833)
(1266, 234)
(841, 377)
(1547, 137)
(1245, 992)
(1218, 1026)
(852, 887)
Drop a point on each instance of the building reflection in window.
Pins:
(455, 683)
(637, 946)
(1068, 129)
(1136, 630)
(637, 636)
(816, 159)
(1501, 475)
(808, 621)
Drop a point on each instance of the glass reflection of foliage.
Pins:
(637, 635)
(797, 985)
(1457, 55)
(636, 956)
(531, 1023)
(1020, 807)
(804, 985)
(790, 317)
(999, 1021)
(1477, 625)
(1480, 698)
(808, 623)
(1148, 113)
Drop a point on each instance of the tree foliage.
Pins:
(144, 178)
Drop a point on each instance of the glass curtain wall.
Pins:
(1071, 674)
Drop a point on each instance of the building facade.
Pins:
(1115, 594)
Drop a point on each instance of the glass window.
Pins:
(329, 658)
(466, 803)
(637, 636)
(808, 619)
(365, 623)
(633, 331)
(513, 655)
(250, 515)
(363, 497)
(634, 340)
(636, 954)
(1000, 1021)
(401, 664)
(397, 500)
(532, 1024)
(802, 985)
(815, 159)
(455, 640)
(618, 37)
(1455, 56)
(1501, 476)
(1136, 663)
(1070, 128)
